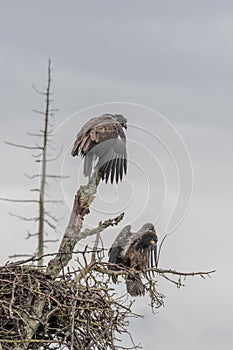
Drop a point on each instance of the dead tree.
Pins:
(63, 306)
(59, 308)
(43, 217)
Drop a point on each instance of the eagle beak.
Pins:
(125, 125)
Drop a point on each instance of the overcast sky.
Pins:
(167, 66)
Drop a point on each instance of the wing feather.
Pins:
(88, 160)
(117, 169)
(113, 168)
(119, 245)
(105, 138)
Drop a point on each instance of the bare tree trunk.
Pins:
(43, 173)
(43, 218)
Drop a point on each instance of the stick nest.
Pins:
(76, 316)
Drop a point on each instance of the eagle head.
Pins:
(148, 236)
(121, 119)
(147, 239)
(147, 228)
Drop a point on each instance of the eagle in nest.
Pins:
(102, 141)
(135, 250)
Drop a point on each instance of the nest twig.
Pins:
(75, 316)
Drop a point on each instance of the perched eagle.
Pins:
(136, 250)
(102, 138)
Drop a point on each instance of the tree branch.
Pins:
(102, 226)
(123, 271)
(19, 200)
(24, 218)
(83, 199)
(174, 272)
(52, 176)
(22, 146)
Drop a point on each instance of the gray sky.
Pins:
(174, 57)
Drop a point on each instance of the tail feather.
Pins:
(134, 286)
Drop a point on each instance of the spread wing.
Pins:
(119, 247)
(141, 252)
(103, 138)
(96, 130)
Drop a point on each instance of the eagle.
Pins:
(103, 139)
(135, 250)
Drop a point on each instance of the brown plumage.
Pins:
(102, 138)
(136, 250)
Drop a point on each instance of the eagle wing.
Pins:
(103, 137)
(119, 247)
(142, 252)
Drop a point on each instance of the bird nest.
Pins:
(72, 315)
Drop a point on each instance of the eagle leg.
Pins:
(134, 286)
